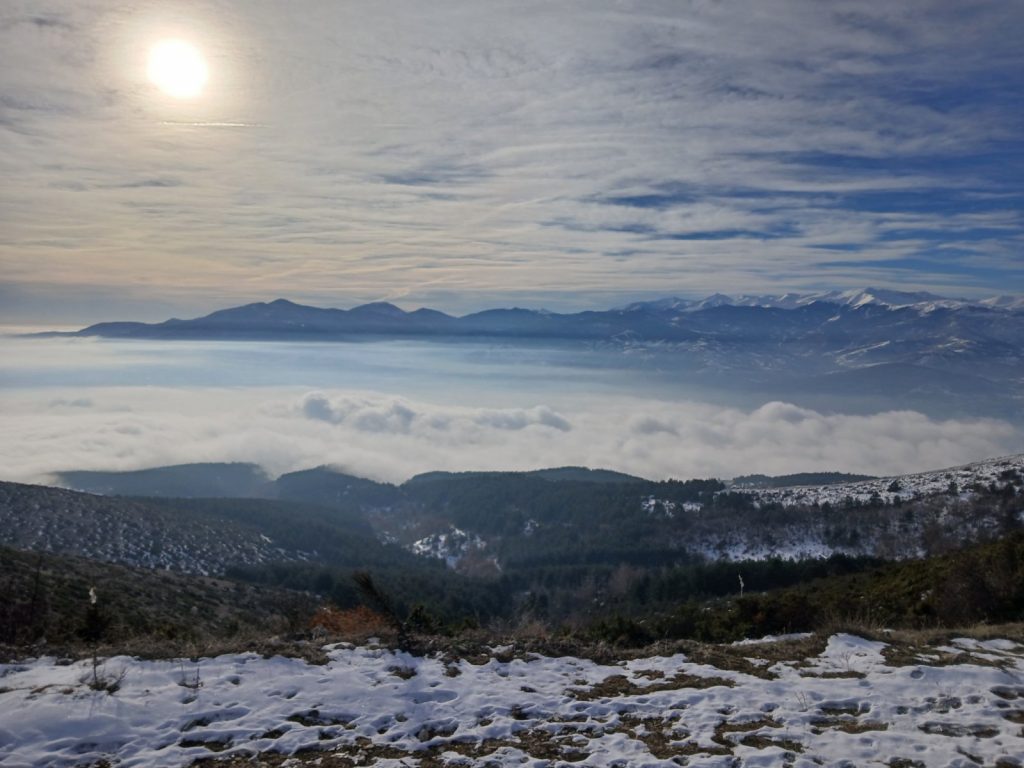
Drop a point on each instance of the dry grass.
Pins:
(355, 625)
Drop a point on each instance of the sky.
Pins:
(467, 154)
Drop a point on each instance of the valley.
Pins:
(566, 547)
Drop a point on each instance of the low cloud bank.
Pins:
(391, 438)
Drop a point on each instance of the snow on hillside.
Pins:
(893, 517)
(450, 546)
(667, 508)
(123, 531)
(921, 301)
(957, 481)
(849, 705)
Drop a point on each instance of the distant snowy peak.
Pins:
(661, 305)
(1011, 303)
(922, 301)
(896, 299)
(715, 300)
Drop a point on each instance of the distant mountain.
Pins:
(660, 320)
(585, 475)
(324, 486)
(893, 349)
(283, 319)
(1011, 303)
(555, 474)
(180, 481)
(858, 297)
(798, 479)
(332, 488)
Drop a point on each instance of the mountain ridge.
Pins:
(830, 324)
(575, 474)
(381, 316)
(879, 349)
(488, 524)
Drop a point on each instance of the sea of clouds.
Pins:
(391, 437)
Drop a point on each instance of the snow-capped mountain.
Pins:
(514, 519)
(921, 301)
(668, 319)
(910, 350)
(1011, 303)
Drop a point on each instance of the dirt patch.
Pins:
(745, 726)
(846, 725)
(956, 730)
(405, 673)
(620, 685)
(662, 738)
(213, 746)
(898, 655)
(759, 741)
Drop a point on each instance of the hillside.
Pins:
(47, 601)
(962, 482)
(514, 520)
(979, 585)
(181, 481)
(550, 546)
(491, 522)
(800, 478)
(190, 535)
(124, 531)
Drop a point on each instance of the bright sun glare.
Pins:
(177, 68)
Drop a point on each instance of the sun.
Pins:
(177, 68)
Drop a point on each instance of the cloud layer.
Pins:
(392, 438)
(463, 153)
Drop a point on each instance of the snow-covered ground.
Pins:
(451, 546)
(848, 706)
(923, 484)
(666, 508)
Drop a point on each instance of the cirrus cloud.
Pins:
(465, 153)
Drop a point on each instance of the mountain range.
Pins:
(718, 317)
(874, 349)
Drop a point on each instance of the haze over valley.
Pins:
(662, 389)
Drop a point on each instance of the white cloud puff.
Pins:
(397, 416)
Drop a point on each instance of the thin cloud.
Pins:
(210, 124)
